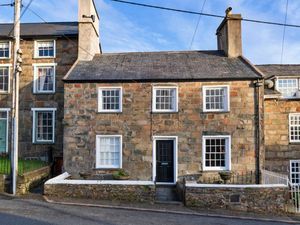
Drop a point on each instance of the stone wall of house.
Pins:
(137, 124)
(32, 179)
(127, 193)
(279, 150)
(66, 55)
(272, 200)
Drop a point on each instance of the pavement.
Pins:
(35, 209)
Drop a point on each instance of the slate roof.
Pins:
(147, 66)
(41, 29)
(280, 70)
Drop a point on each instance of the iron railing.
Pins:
(269, 177)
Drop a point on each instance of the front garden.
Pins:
(24, 165)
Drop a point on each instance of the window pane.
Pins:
(111, 99)
(45, 79)
(295, 171)
(165, 99)
(215, 152)
(287, 87)
(216, 99)
(294, 127)
(4, 78)
(4, 49)
(109, 152)
(44, 125)
(45, 48)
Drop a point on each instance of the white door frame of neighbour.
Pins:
(6, 110)
(175, 155)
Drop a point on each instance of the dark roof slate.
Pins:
(41, 29)
(280, 70)
(184, 65)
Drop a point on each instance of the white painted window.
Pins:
(4, 78)
(215, 98)
(43, 125)
(4, 49)
(4, 129)
(45, 48)
(110, 99)
(108, 151)
(288, 87)
(216, 152)
(44, 78)
(165, 99)
(294, 127)
(295, 171)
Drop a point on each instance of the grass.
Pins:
(23, 165)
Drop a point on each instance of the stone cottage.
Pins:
(49, 51)
(282, 119)
(165, 115)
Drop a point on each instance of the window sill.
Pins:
(44, 93)
(43, 143)
(164, 112)
(5, 58)
(107, 112)
(112, 169)
(216, 111)
(294, 143)
(4, 93)
(48, 57)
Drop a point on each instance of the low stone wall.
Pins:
(129, 191)
(2, 183)
(31, 179)
(251, 198)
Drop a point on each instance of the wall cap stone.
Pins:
(62, 179)
(195, 185)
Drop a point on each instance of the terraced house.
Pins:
(282, 119)
(49, 51)
(162, 116)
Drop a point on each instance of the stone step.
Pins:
(166, 193)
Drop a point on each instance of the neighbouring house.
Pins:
(282, 119)
(49, 51)
(163, 116)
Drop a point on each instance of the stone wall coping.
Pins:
(61, 179)
(195, 185)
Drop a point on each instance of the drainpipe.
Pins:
(257, 85)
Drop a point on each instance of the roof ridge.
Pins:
(54, 22)
(164, 51)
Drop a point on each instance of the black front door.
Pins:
(165, 161)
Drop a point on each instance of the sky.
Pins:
(127, 28)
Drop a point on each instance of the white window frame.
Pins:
(35, 77)
(227, 166)
(154, 109)
(290, 128)
(100, 101)
(36, 49)
(9, 77)
(97, 163)
(226, 103)
(294, 161)
(7, 110)
(9, 49)
(34, 110)
(286, 78)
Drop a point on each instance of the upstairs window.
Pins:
(43, 125)
(45, 49)
(215, 98)
(44, 78)
(216, 152)
(288, 87)
(4, 79)
(165, 99)
(4, 50)
(110, 99)
(295, 171)
(109, 151)
(294, 125)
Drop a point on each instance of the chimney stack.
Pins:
(229, 34)
(88, 27)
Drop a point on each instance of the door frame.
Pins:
(7, 110)
(175, 155)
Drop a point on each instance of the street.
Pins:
(38, 212)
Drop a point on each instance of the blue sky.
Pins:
(131, 28)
